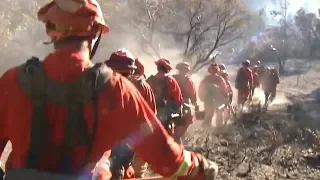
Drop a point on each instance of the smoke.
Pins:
(280, 99)
(293, 7)
(162, 46)
(258, 96)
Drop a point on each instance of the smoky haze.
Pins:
(293, 7)
(22, 34)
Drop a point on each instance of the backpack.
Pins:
(160, 90)
(182, 83)
(186, 109)
(241, 80)
(41, 90)
(165, 108)
(213, 91)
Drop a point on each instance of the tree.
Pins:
(309, 27)
(146, 21)
(136, 22)
(19, 32)
(199, 29)
(282, 12)
(206, 26)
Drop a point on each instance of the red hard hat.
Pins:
(224, 73)
(183, 66)
(273, 69)
(164, 62)
(213, 68)
(121, 60)
(222, 67)
(67, 18)
(140, 66)
(246, 63)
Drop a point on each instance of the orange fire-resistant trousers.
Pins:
(243, 95)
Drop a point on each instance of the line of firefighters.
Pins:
(63, 113)
(177, 94)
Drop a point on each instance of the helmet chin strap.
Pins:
(93, 50)
(96, 45)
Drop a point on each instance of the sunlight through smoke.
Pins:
(258, 96)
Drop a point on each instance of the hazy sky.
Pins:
(294, 6)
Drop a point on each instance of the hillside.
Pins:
(281, 143)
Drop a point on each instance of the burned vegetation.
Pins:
(281, 143)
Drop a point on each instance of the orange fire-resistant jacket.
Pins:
(245, 74)
(209, 79)
(146, 92)
(187, 87)
(123, 117)
(173, 89)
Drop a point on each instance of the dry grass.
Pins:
(263, 145)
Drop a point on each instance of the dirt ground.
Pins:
(262, 145)
(280, 143)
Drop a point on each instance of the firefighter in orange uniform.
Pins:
(275, 81)
(167, 92)
(139, 79)
(123, 62)
(189, 95)
(255, 77)
(140, 166)
(115, 112)
(225, 76)
(222, 67)
(173, 92)
(258, 64)
(139, 72)
(244, 83)
(213, 91)
(270, 84)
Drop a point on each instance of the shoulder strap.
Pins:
(95, 78)
(153, 82)
(160, 89)
(242, 77)
(33, 84)
(41, 90)
(137, 83)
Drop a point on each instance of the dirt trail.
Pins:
(282, 143)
